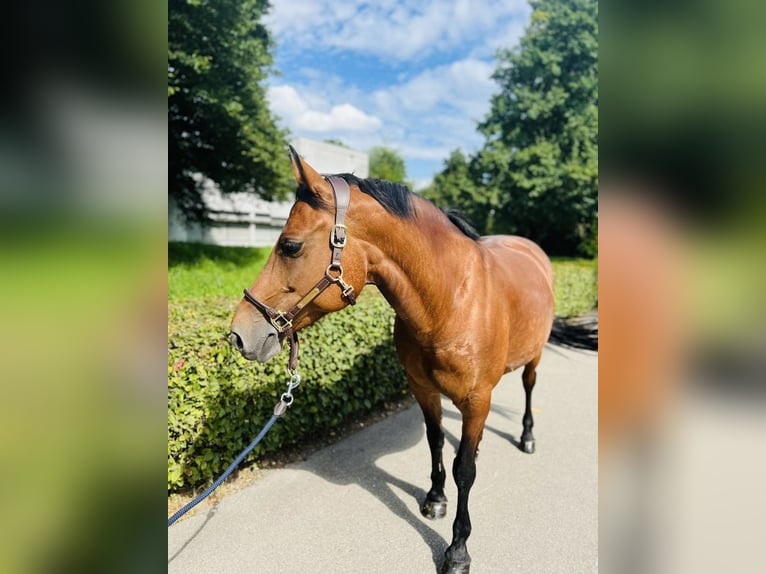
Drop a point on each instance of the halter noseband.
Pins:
(283, 320)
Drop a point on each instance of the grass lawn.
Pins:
(575, 285)
(197, 270)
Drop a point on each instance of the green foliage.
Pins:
(455, 187)
(219, 124)
(199, 270)
(575, 285)
(541, 154)
(387, 164)
(218, 401)
(537, 173)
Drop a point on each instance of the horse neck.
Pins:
(416, 263)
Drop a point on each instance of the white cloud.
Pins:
(344, 118)
(426, 111)
(464, 85)
(424, 118)
(399, 29)
(288, 104)
(285, 102)
(436, 110)
(428, 152)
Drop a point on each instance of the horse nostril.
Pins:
(236, 341)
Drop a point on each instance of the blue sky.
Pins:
(413, 75)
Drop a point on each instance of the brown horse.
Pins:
(468, 309)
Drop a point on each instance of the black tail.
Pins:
(577, 332)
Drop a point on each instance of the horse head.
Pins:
(297, 285)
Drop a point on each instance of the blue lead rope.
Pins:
(285, 401)
(225, 475)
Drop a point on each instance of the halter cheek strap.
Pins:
(283, 321)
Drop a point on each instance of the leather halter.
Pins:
(283, 320)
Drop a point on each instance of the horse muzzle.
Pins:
(256, 342)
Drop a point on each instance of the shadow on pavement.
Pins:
(208, 516)
(354, 462)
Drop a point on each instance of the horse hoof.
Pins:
(455, 568)
(434, 509)
(528, 446)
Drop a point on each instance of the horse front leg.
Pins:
(435, 504)
(457, 560)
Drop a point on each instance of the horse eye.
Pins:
(289, 248)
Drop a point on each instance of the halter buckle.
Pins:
(335, 241)
(281, 322)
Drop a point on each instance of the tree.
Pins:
(541, 153)
(455, 187)
(387, 164)
(537, 173)
(219, 122)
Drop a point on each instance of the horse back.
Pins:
(512, 250)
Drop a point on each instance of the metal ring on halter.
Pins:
(334, 267)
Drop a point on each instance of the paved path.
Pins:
(352, 508)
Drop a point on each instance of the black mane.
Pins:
(462, 223)
(396, 198)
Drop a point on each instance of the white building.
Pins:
(330, 158)
(243, 219)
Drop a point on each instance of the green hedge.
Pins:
(218, 401)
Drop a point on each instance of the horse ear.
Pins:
(307, 175)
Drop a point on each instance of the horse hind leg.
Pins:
(528, 377)
(435, 504)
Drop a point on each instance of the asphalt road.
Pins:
(353, 506)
